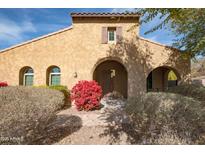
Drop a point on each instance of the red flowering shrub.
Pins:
(86, 95)
(3, 84)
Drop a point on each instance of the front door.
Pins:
(106, 82)
(111, 76)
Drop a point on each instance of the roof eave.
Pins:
(36, 39)
(132, 15)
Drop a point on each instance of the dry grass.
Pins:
(165, 118)
(25, 112)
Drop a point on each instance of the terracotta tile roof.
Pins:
(104, 14)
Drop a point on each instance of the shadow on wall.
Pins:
(178, 62)
(137, 56)
(136, 61)
(61, 127)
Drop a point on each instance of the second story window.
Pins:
(112, 35)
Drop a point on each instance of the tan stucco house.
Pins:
(105, 47)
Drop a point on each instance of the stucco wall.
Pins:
(79, 50)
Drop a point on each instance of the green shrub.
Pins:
(167, 118)
(195, 91)
(26, 111)
(62, 89)
(66, 93)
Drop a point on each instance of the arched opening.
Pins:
(53, 76)
(26, 76)
(162, 78)
(112, 76)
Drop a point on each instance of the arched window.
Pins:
(54, 75)
(26, 76)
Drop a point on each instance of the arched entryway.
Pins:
(162, 78)
(112, 76)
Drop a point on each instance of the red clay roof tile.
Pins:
(104, 14)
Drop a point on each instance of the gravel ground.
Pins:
(92, 135)
(102, 126)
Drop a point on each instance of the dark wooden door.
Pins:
(112, 76)
(107, 82)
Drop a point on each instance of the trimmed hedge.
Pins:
(25, 113)
(165, 118)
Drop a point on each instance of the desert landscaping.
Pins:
(45, 115)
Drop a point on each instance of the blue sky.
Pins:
(19, 25)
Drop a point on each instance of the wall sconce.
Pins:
(75, 75)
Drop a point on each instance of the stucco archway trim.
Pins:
(167, 67)
(157, 79)
(101, 60)
(112, 75)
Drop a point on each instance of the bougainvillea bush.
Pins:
(86, 95)
(3, 84)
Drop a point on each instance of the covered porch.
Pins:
(162, 78)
